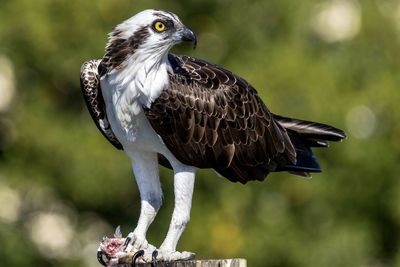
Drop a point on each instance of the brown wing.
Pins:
(90, 85)
(211, 118)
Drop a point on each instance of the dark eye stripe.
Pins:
(169, 23)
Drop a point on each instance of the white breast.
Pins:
(125, 91)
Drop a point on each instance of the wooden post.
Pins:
(196, 263)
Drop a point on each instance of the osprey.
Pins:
(185, 113)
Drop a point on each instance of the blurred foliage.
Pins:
(58, 174)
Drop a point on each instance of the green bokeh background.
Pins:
(61, 180)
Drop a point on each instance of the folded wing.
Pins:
(211, 118)
(90, 85)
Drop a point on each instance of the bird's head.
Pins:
(151, 32)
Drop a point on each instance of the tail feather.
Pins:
(306, 161)
(304, 135)
(312, 130)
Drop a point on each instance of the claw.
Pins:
(100, 257)
(127, 241)
(154, 258)
(135, 256)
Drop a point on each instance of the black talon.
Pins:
(127, 241)
(100, 257)
(154, 258)
(135, 256)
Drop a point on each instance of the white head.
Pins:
(150, 32)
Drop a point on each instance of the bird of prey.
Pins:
(185, 113)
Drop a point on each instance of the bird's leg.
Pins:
(145, 168)
(183, 190)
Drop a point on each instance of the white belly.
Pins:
(140, 136)
(127, 119)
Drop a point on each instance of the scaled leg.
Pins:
(183, 190)
(145, 168)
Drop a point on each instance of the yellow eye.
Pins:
(159, 26)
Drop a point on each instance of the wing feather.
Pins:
(211, 118)
(90, 85)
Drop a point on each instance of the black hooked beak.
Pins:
(187, 35)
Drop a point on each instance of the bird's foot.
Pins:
(168, 255)
(136, 242)
(129, 250)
